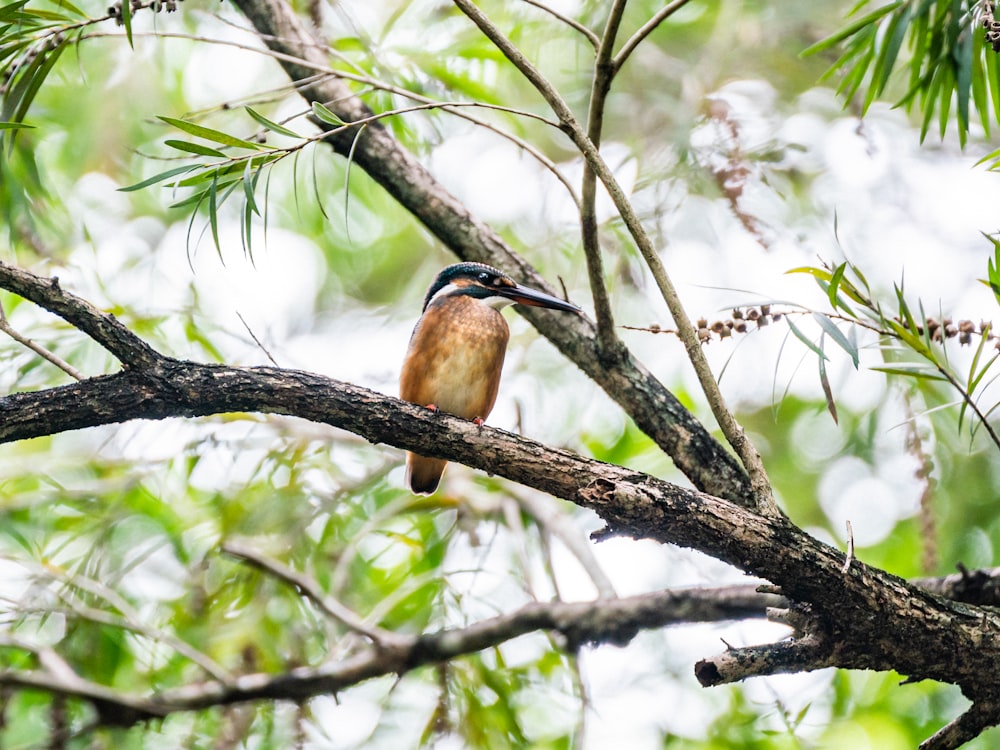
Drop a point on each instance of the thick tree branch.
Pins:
(876, 620)
(653, 408)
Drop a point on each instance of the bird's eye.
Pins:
(485, 278)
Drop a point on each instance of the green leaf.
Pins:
(14, 125)
(213, 214)
(824, 382)
(20, 96)
(850, 30)
(835, 279)
(838, 337)
(249, 184)
(126, 7)
(907, 372)
(805, 339)
(894, 35)
(270, 124)
(325, 115)
(195, 148)
(157, 178)
(210, 134)
(819, 273)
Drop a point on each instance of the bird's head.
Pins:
(491, 286)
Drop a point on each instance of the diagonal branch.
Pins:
(383, 639)
(102, 327)
(647, 28)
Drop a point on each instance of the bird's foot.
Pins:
(479, 421)
(433, 408)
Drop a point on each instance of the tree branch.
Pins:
(968, 726)
(876, 620)
(647, 28)
(607, 339)
(102, 327)
(606, 621)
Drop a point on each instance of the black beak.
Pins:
(522, 295)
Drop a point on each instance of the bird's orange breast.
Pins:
(455, 357)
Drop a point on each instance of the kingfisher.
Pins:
(456, 352)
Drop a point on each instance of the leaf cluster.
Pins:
(937, 51)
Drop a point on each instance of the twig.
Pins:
(257, 340)
(41, 351)
(590, 36)
(383, 639)
(453, 108)
(647, 28)
(850, 549)
(612, 621)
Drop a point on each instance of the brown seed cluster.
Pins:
(740, 322)
(991, 25)
(115, 11)
(964, 329)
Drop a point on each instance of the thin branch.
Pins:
(761, 490)
(590, 36)
(38, 349)
(604, 73)
(606, 621)
(546, 513)
(325, 72)
(981, 716)
(383, 639)
(647, 28)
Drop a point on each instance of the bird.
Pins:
(457, 349)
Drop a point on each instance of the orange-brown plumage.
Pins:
(457, 350)
(454, 362)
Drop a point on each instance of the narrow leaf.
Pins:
(210, 134)
(271, 125)
(194, 148)
(157, 178)
(850, 30)
(805, 339)
(126, 6)
(824, 381)
(324, 114)
(838, 337)
(908, 373)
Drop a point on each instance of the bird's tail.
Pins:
(423, 474)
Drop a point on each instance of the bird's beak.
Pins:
(523, 295)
